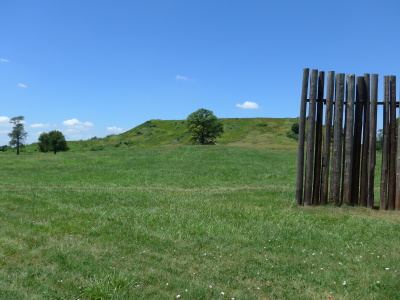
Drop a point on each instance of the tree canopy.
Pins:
(18, 134)
(204, 127)
(52, 141)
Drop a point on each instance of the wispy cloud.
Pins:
(22, 85)
(114, 129)
(248, 105)
(40, 125)
(74, 125)
(5, 121)
(4, 60)
(179, 77)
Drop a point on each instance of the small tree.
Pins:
(52, 141)
(295, 128)
(18, 134)
(204, 127)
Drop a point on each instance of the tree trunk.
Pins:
(17, 146)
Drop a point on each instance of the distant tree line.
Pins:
(53, 141)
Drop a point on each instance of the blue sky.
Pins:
(93, 67)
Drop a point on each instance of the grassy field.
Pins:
(188, 222)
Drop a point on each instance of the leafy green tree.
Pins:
(295, 128)
(18, 134)
(204, 127)
(52, 141)
(294, 132)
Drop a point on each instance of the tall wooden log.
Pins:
(302, 131)
(397, 204)
(392, 155)
(327, 137)
(372, 140)
(359, 107)
(318, 139)
(385, 146)
(365, 143)
(310, 139)
(337, 141)
(348, 150)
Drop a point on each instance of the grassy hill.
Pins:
(255, 132)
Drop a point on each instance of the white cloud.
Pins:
(74, 125)
(248, 105)
(114, 129)
(40, 125)
(5, 121)
(179, 77)
(4, 60)
(5, 131)
(22, 85)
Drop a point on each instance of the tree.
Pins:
(52, 141)
(379, 137)
(204, 127)
(295, 128)
(18, 134)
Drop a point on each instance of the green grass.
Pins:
(202, 222)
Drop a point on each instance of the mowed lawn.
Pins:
(188, 222)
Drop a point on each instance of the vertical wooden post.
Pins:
(337, 141)
(365, 143)
(348, 150)
(310, 139)
(302, 130)
(397, 200)
(385, 146)
(392, 159)
(357, 139)
(318, 139)
(372, 140)
(327, 137)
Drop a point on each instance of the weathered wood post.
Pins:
(397, 197)
(372, 140)
(365, 143)
(337, 141)
(302, 132)
(327, 137)
(359, 106)
(310, 139)
(348, 150)
(392, 155)
(385, 146)
(318, 139)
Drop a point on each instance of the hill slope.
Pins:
(254, 132)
